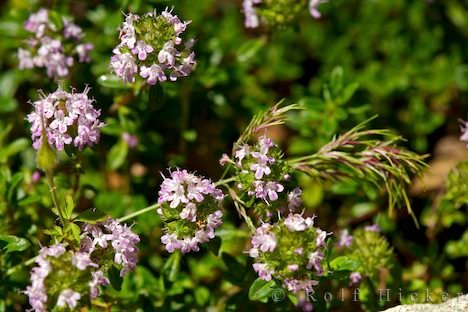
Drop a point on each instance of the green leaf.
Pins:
(261, 290)
(117, 155)
(202, 295)
(3, 135)
(343, 263)
(112, 81)
(54, 231)
(115, 278)
(249, 49)
(91, 216)
(172, 266)
(13, 148)
(29, 200)
(190, 135)
(214, 245)
(461, 77)
(12, 243)
(15, 181)
(75, 231)
(8, 86)
(69, 206)
(336, 79)
(348, 92)
(46, 157)
(9, 104)
(235, 270)
(56, 19)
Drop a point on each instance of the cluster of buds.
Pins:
(277, 12)
(368, 248)
(261, 174)
(190, 208)
(61, 278)
(151, 46)
(290, 250)
(55, 45)
(63, 118)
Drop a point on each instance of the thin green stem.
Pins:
(139, 212)
(241, 211)
(239, 204)
(226, 171)
(225, 181)
(53, 192)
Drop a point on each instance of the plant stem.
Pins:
(226, 171)
(139, 212)
(225, 181)
(53, 192)
(241, 211)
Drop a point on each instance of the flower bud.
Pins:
(46, 157)
(369, 249)
(278, 13)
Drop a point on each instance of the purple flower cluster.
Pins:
(355, 277)
(68, 298)
(260, 168)
(110, 235)
(102, 245)
(290, 250)
(190, 206)
(53, 46)
(345, 239)
(37, 291)
(252, 19)
(65, 118)
(151, 46)
(372, 228)
(131, 140)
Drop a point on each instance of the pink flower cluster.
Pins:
(100, 241)
(299, 246)
(37, 291)
(65, 118)
(258, 161)
(252, 19)
(345, 239)
(193, 202)
(112, 234)
(155, 51)
(355, 277)
(53, 46)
